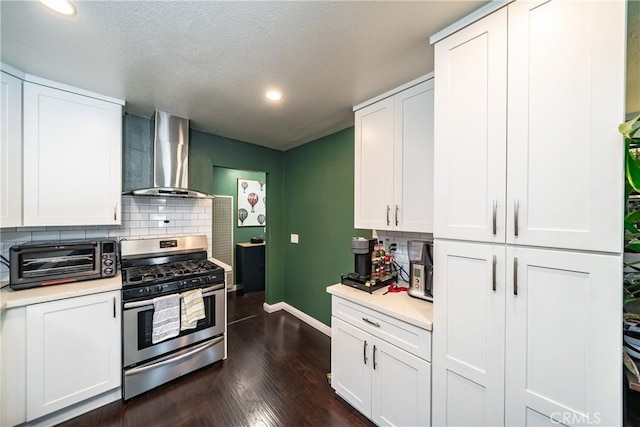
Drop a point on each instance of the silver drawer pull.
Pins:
(495, 220)
(377, 325)
(493, 269)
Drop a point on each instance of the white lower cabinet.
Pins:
(58, 354)
(384, 382)
(526, 336)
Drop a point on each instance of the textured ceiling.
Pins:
(213, 61)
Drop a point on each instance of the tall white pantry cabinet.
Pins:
(529, 184)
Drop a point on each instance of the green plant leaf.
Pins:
(627, 127)
(632, 247)
(632, 170)
(630, 226)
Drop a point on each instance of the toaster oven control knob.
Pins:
(108, 270)
(108, 262)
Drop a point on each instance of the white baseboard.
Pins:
(272, 308)
(314, 323)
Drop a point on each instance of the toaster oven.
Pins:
(55, 263)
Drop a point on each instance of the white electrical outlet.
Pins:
(294, 238)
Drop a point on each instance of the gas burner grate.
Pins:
(148, 274)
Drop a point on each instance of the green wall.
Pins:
(318, 200)
(206, 151)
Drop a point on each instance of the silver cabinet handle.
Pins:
(374, 357)
(115, 208)
(364, 352)
(143, 368)
(495, 221)
(493, 274)
(388, 209)
(396, 215)
(114, 307)
(377, 325)
(516, 207)
(515, 275)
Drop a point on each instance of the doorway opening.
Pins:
(240, 234)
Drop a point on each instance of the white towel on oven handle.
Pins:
(166, 318)
(191, 309)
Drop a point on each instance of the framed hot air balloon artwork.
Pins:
(252, 203)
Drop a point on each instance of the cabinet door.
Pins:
(350, 364)
(413, 159)
(11, 152)
(468, 348)
(72, 158)
(565, 162)
(73, 351)
(373, 164)
(401, 391)
(470, 131)
(563, 348)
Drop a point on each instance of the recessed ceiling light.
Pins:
(65, 7)
(274, 95)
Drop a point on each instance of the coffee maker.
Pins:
(362, 249)
(420, 269)
(362, 279)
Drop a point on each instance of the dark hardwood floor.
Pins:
(275, 375)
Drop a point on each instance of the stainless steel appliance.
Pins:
(158, 267)
(170, 160)
(420, 269)
(55, 263)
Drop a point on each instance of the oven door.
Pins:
(138, 327)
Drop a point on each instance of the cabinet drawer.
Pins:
(413, 339)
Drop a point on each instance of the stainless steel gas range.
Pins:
(153, 268)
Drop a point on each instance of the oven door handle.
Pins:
(174, 359)
(205, 293)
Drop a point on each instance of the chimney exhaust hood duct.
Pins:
(170, 159)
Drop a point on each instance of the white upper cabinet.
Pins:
(413, 159)
(11, 152)
(72, 158)
(566, 100)
(470, 131)
(555, 81)
(394, 161)
(373, 163)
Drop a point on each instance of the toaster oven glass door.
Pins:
(76, 261)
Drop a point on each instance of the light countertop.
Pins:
(11, 299)
(399, 305)
(250, 245)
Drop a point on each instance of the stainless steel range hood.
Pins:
(170, 159)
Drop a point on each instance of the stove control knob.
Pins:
(159, 288)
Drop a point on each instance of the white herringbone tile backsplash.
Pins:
(142, 217)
